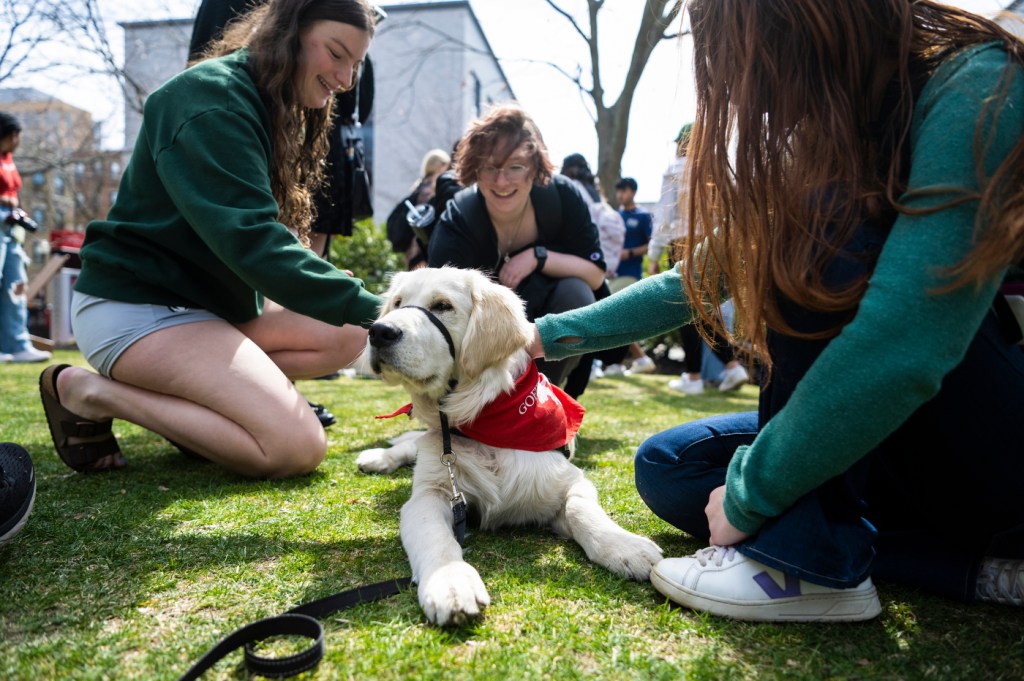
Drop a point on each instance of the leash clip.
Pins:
(448, 459)
(457, 500)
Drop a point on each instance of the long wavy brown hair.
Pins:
(782, 168)
(271, 32)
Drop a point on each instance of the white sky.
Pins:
(521, 33)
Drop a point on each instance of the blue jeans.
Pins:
(922, 509)
(13, 309)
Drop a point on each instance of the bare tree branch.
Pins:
(611, 121)
(570, 18)
(28, 26)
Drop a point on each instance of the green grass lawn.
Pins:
(134, 574)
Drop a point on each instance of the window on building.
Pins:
(115, 169)
(39, 216)
(58, 183)
(477, 93)
(38, 179)
(79, 171)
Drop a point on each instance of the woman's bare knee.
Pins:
(298, 454)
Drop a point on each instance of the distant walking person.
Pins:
(15, 343)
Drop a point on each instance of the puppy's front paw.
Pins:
(377, 460)
(630, 555)
(453, 594)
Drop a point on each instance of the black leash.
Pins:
(303, 620)
(457, 500)
(299, 621)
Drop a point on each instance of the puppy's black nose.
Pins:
(383, 334)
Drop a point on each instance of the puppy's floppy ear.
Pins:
(389, 296)
(497, 327)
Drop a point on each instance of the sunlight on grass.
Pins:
(135, 574)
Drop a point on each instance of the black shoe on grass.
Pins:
(327, 419)
(17, 489)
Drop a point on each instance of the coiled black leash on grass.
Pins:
(299, 621)
(304, 619)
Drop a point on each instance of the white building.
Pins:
(434, 71)
(153, 52)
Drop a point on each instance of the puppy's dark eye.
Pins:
(396, 303)
(441, 306)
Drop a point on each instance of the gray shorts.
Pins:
(105, 328)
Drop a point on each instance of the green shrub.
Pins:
(367, 254)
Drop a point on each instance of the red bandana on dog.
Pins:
(535, 416)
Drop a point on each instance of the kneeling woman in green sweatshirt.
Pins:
(198, 302)
(857, 184)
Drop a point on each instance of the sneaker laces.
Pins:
(715, 554)
(1001, 580)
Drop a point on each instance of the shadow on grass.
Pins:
(172, 554)
(99, 545)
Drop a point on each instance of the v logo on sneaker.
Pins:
(773, 590)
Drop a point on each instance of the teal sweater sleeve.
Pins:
(650, 307)
(891, 358)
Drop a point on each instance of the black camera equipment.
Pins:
(18, 217)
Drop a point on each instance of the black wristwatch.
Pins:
(541, 254)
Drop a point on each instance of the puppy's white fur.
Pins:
(506, 486)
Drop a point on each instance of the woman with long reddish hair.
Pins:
(856, 183)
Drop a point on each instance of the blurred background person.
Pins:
(400, 232)
(15, 342)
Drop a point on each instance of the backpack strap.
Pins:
(547, 206)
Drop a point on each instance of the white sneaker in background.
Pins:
(686, 385)
(734, 378)
(721, 581)
(31, 355)
(596, 371)
(641, 365)
(1001, 580)
(614, 370)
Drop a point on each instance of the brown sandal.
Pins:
(97, 439)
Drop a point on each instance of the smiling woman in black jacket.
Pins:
(518, 222)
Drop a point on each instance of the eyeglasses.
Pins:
(513, 173)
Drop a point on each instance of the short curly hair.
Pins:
(8, 124)
(494, 137)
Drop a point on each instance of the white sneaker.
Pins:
(641, 365)
(614, 370)
(596, 371)
(734, 378)
(721, 581)
(31, 355)
(687, 385)
(1001, 580)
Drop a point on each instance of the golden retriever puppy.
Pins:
(466, 355)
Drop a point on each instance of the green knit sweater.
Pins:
(891, 358)
(195, 221)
